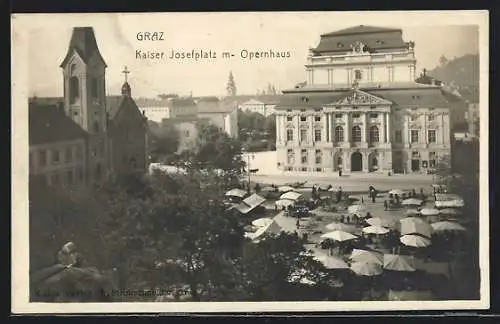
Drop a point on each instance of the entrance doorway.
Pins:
(415, 165)
(356, 162)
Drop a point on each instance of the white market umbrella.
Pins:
(261, 222)
(429, 211)
(291, 195)
(366, 268)
(449, 211)
(299, 276)
(447, 226)
(412, 225)
(355, 209)
(412, 202)
(358, 255)
(331, 262)
(398, 262)
(415, 240)
(379, 230)
(340, 236)
(412, 212)
(240, 193)
(284, 203)
(398, 192)
(379, 221)
(341, 227)
(285, 189)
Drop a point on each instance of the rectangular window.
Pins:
(69, 154)
(318, 170)
(56, 156)
(289, 118)
(317, 135)
(414, 136)
(432, 163)
(302, 110)
(430, 117)
(290, 156)
(289, 151)
(413, 117)
(289, 134)
(373, 116)
(317, 118)
(431, 136)
(304, 159)
(398, 136)
(288, 110)
(318, 159)
(303, 135)
(355, 115)
(432, 159)
(415, 154)
(303, 169)
(303, 118)
(42, 158)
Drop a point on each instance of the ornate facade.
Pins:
(395, 125)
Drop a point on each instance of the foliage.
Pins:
(254, 127)
(214, 149)
(163, 141)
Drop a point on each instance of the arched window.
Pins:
(339, 134)
(374, 134)
(356, 134)
(358, 75)
(74, 89)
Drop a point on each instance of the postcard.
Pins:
(250, 162)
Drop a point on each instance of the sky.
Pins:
(49, 35)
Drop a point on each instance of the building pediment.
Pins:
(360, 98)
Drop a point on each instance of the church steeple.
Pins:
(126, 91)
(84, 81)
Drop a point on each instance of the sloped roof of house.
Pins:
(48, 124)
(266, 99)
(83, 42)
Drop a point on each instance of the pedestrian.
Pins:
(374, 194)
(342, 218)
(275, 207)
(413, 193)
(362, 200)
(297, 223)
(348, 219)
(397, 199)
(340, 172)
(305, 237)
(355, 219)
(385, 205)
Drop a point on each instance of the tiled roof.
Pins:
(170, 102)
(364, 86)
(361, 29)
(431, 97)
(84, 43)
(266, 99)
(116, 103)
(206, 99)
(48, 124)
(375, 38)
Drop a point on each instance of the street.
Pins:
(351, 182)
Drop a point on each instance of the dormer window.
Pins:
(305, 99)
(414, 97)
(379, 42)
(358, 75)
(340, 45)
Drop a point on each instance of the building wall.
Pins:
(62, 163)
(156, 114)
(373, 67)
(225, 121)
(187, 135)
(315, 146)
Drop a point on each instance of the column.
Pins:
(424, 139)
(349, 76)
(310, 136)
(347, 128)
(330, 127)
(365, 136)
(442, 129)
(278, 128)
(325, 137)
(297, 129)
(383, 138)
(388, 128)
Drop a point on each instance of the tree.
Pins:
(231, 85)
(165, 96)
(164, 141)
(443, 60)
(215, 149)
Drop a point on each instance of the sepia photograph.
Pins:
(253, 162)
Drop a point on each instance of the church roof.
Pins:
(117, 103)
(83, 42)
(377, 39)
(49, 124)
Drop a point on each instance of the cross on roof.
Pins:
(125, 72)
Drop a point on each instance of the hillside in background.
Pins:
(460, 74)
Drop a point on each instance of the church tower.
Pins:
(84, 81)
(85, 97)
